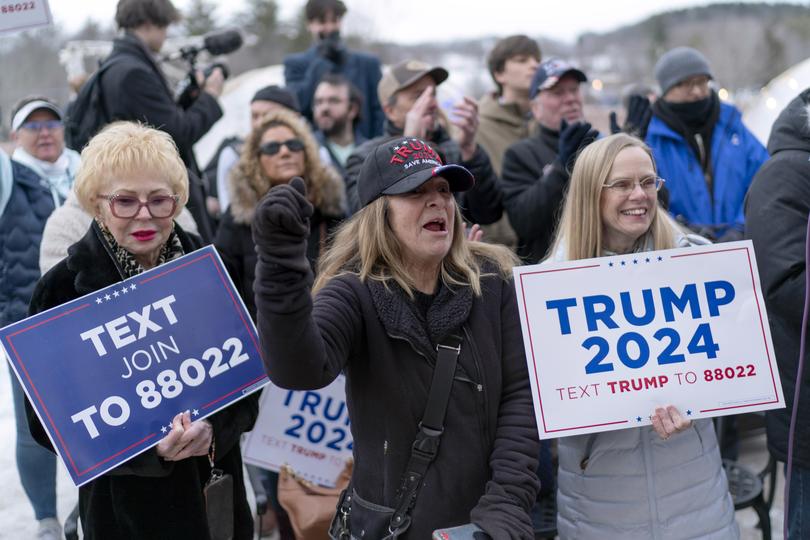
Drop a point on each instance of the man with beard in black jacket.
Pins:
(407, 93)
(776, 213)
(134, 88)
(536, 169)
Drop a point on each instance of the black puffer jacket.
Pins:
(146, 497)
(776, 212)
(534, 184)
(482, 204)
(484, 471)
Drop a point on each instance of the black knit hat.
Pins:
(279, 95)
(402, 165)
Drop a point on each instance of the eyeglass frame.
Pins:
(111, 200)
(701, 82)
(263, 151)
(39, 125)
(658, 183)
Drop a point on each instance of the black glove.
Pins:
(332, 48)
(281, 227)
(639, 114)
(573, 138)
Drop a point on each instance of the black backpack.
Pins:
(87, 114)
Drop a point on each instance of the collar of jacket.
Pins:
(130, 44)
(507, 113)
(94, 264)
(401, 318)
(549, 137)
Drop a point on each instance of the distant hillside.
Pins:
(746, 44)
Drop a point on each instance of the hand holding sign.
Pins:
(186, 439)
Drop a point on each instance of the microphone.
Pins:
(223, 42)
(216, 44)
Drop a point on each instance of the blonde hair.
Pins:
(321, 191)
(579, 233)
(125, 149)
(366, 246)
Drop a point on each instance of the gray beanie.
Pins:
(678, 64)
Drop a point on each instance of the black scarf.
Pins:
(691, 119)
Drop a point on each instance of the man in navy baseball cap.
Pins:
(550, 72)
(402, 165)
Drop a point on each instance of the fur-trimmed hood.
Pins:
(247, 184)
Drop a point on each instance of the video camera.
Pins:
(215, 44)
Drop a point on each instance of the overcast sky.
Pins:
(415, 21)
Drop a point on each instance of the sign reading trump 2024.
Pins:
(106, 373)
(307, 430)
(610, 339)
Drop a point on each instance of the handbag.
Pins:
(309, 506)
(356, 518)
(218, 492)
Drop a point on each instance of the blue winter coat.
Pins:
(303, 71)
(21, 225)
(736, 156)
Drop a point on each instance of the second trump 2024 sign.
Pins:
(607, 340)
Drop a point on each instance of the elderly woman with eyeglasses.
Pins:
(664, 481)
(133, 181)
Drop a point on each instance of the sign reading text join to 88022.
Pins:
(106, 373)
(609, 339)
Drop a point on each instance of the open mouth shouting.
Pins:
(436, 225)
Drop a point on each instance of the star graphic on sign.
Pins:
(610, 264)
(647, 259)
(163, 429)
(195, 412)
(107, 297)
(660, 258)
(635, 261)
(124, 290)
(132, 287)
(688, 412)
(115, 294)
(99, 300)
(638, 419)
(622, 263)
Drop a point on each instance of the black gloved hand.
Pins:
(639, 114)
(573, 138)
(332, 48)
(281, 226)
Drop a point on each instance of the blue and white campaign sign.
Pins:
(609, 339)
(107, 372)
(19, 15)
(306, 430)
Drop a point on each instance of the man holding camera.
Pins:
(134, 88)
(304, 71)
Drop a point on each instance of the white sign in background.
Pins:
(18, 15)
(308, 430)
(609, 339)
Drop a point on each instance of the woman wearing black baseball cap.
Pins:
(424, 323)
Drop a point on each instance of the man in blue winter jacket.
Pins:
(303, 71)
(702, 149)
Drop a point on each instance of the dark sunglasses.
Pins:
(273, 148)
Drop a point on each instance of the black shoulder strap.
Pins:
(426, 445)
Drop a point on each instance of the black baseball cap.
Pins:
(279, 95)
(401, 165)
(550, 72)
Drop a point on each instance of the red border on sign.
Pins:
(78, 473)
(531, 339)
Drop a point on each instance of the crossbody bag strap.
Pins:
(426, 445)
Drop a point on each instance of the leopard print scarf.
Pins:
(130, 267)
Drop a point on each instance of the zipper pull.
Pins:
(385, 447)
(479, 387)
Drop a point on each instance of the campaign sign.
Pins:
(107, 372)
(18, 15)
(305, 430)
(607, 340)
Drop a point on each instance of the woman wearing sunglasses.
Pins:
(659, 481)
(133, 181)
(278, 149)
